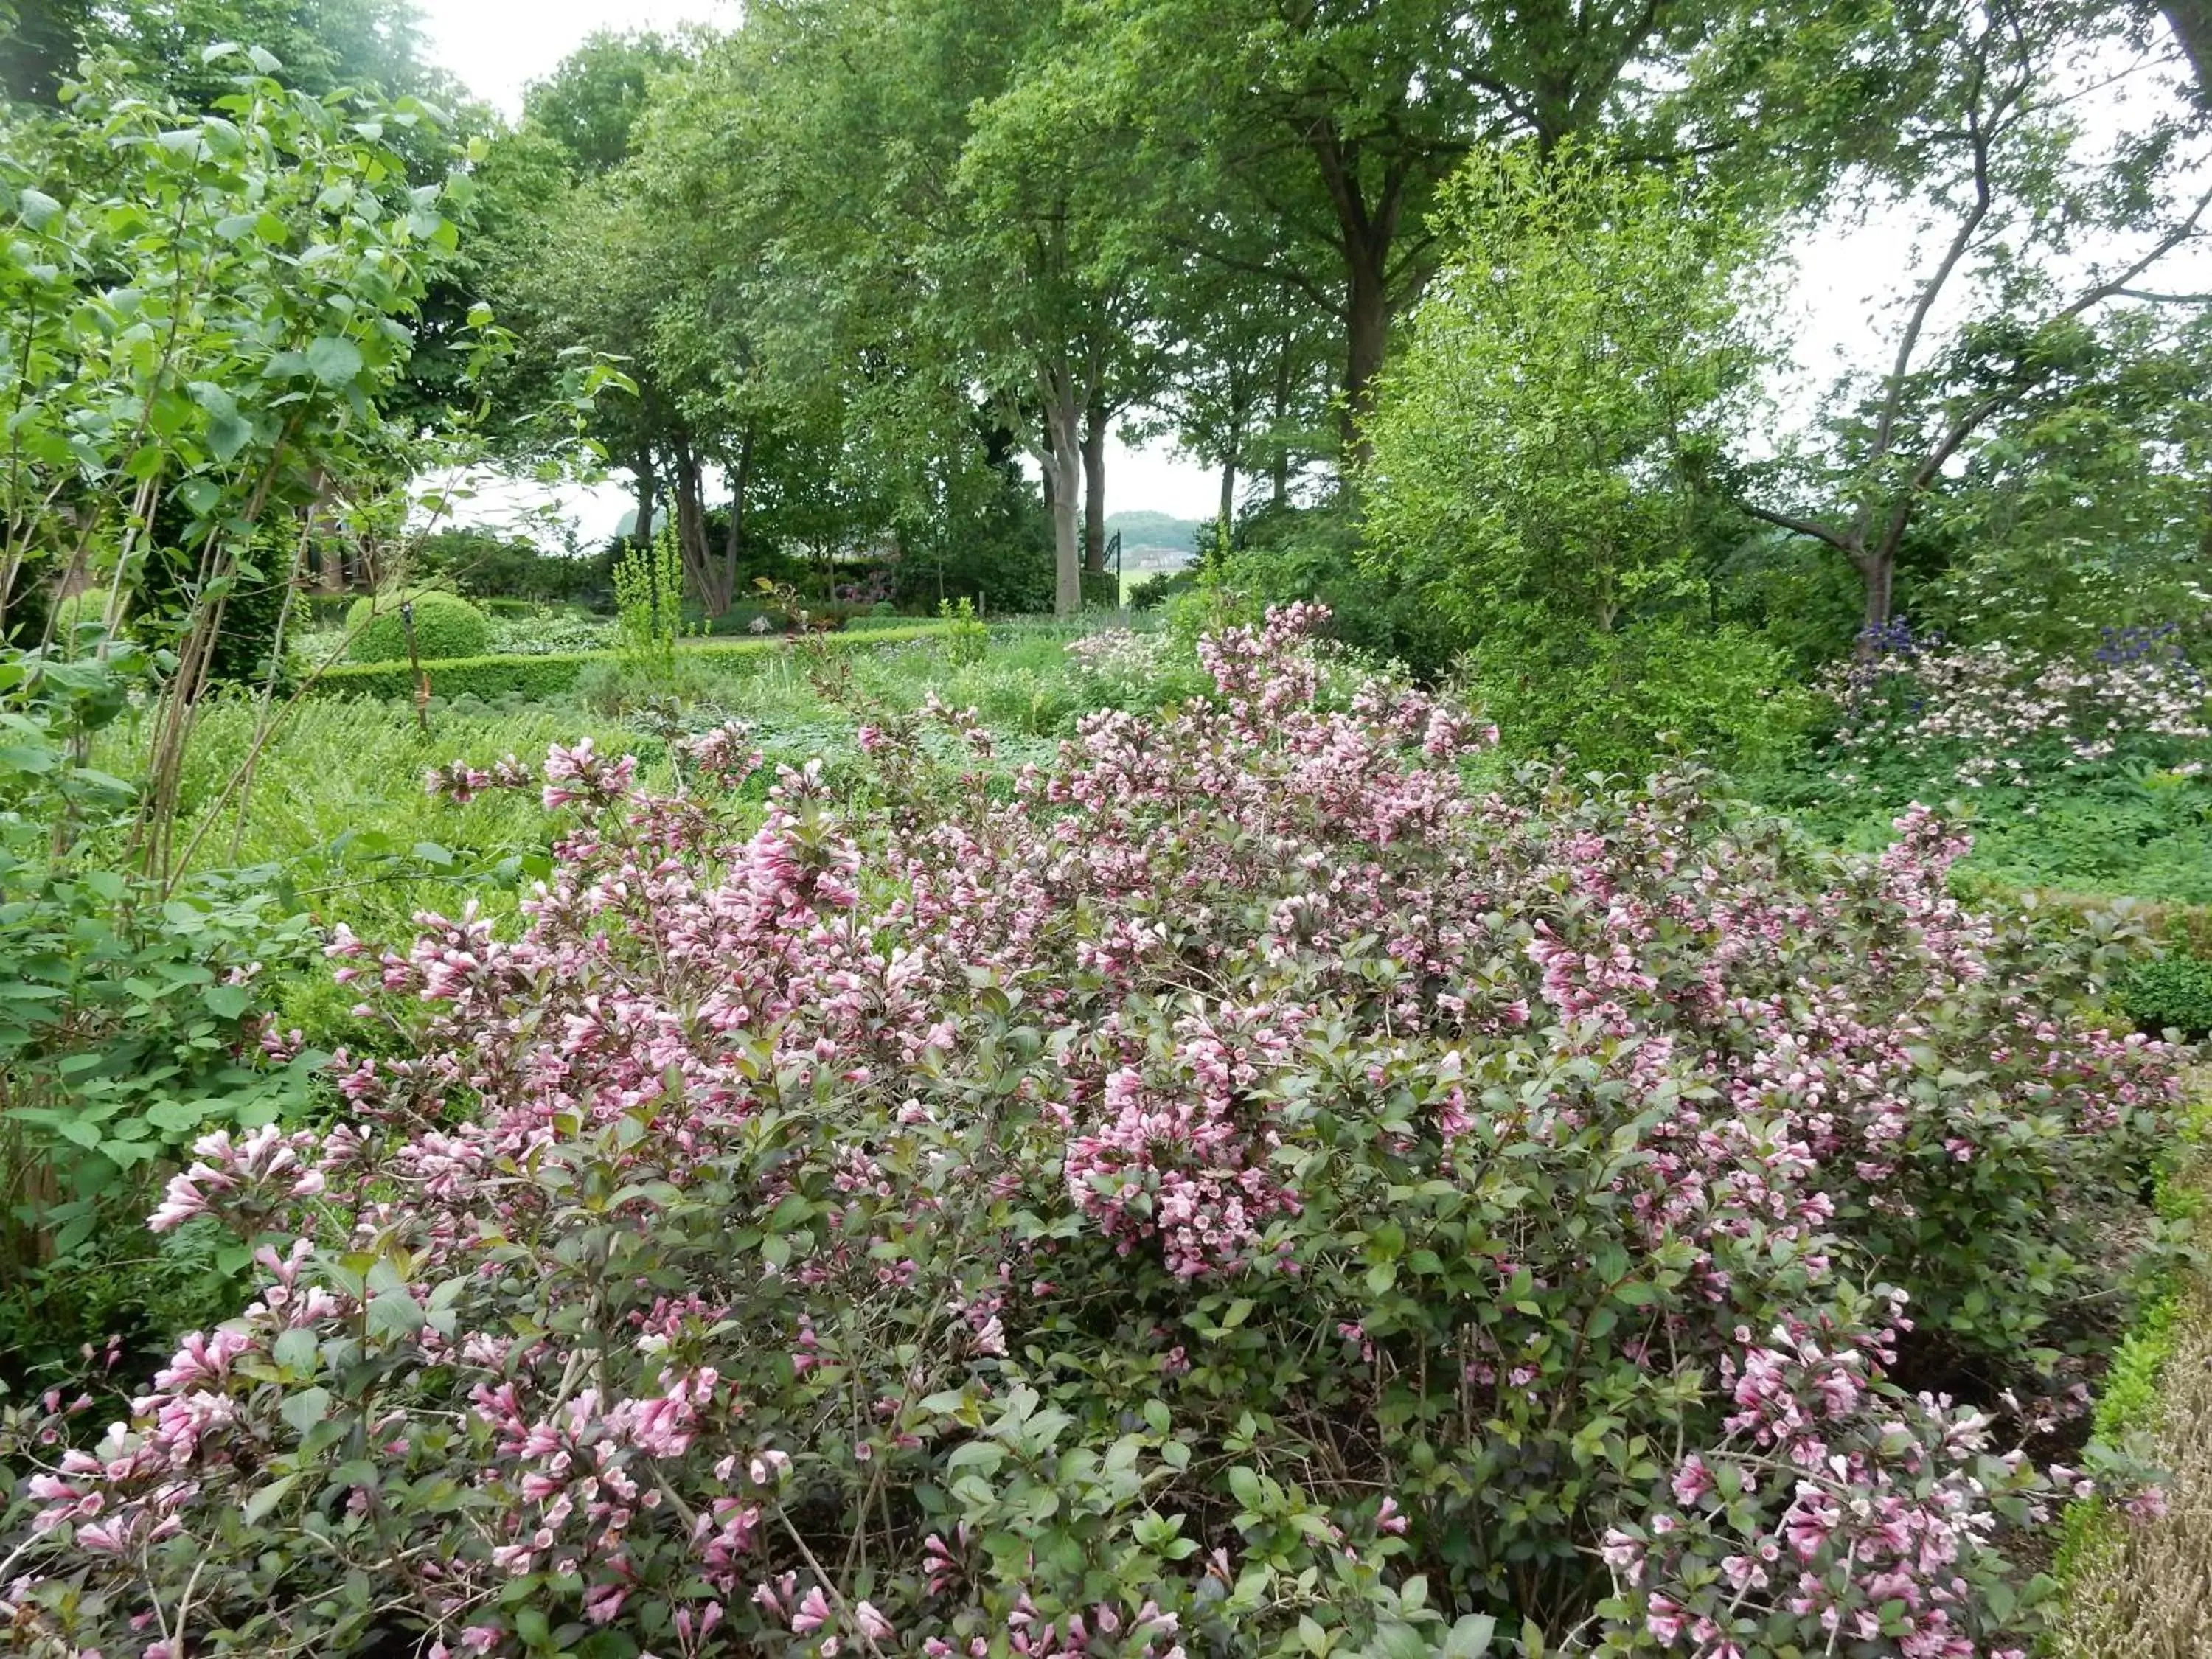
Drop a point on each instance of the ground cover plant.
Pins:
(2086, 772)
(1242, 1188)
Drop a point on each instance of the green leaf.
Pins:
(36, 208)
(227, 1001)
(1471, 1636)
(84, 1134)
(227, 435)
(1245, 1484)
(333, 360)
(395, 1312)
(306, 1408)
(178, 1115)
(255, 1509)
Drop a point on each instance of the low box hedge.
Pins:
(554, 675)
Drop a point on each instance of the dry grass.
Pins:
(2143, 1590)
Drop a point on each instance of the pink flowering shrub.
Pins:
(1239, 1189)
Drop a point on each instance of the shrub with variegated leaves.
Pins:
(1241, 1189)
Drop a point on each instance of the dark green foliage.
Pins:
(2172, 993)
(1000, 557)
(1156, 590)
(40, 41)
(1282, 554)
(1795, 595)
(129, 1015)
(2144, 834)
(167, 593)
(445, 625)
(590, 104)
(1616, 700)
(25, 624)
(484, 566)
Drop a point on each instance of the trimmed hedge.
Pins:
(445, 626)
(554, 675)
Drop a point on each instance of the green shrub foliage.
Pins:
(446, 625)
(2173, 993)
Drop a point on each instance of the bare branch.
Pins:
(1840, 540)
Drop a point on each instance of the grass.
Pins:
(2143, 1588)
(337, 816)
(2141, 831)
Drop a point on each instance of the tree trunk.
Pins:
(1367, 326)
(733, 541)
(1279, 460)
(1879, 571)
(641, 532)
(1229, 492)
(691, 533)
(2192, 22)
(1060, 458)
(1094, 486)
(1364, 234)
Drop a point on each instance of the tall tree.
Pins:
(2191, 23)
(928, 228)
(1544, 444)
(593, 105)
(1965, 111)
(1332, 122)
(40, 41)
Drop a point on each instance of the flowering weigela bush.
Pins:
(1235, 1190)
(1996, 714)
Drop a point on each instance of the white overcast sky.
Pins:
(497, 47)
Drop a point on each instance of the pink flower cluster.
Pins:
(863, 1225)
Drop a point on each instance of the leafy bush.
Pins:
(446, 625)
(491, 567)
(168, 594)
(1243, 1187)
(2085, 774)
(130, 1013)
(541, 678)
(1118, 669)
(2172, 993)
(539, 632)
(966, 639)
(1152, 591)
(649, 607)
(1287, 556)
(1610, 698)
(1920, 708)
(86, 607)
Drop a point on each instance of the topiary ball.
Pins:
(446, 625)
(2173, 993)
(87, 605)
